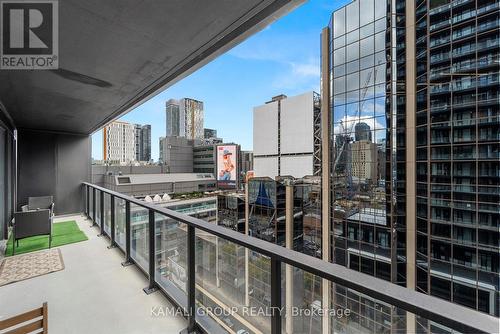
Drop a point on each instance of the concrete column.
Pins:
(325, 167)
(411, 103)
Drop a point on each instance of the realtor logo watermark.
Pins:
(30, 35)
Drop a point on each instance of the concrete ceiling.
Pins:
(115, 54)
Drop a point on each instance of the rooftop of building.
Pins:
(370, 216)
(232, 194)
(135, 179)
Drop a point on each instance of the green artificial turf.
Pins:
(63, 233)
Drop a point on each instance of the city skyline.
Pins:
(281, 59)
(370, 202)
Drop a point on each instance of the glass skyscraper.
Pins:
(173, 118)
(415, 148)
(185, 118)
(368, 195)
(146, 142)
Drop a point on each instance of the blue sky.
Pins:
(284, 58)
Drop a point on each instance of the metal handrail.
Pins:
(451, 315)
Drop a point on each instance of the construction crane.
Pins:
(347, 132)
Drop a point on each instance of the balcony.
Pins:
(167, 252)
(93, 294)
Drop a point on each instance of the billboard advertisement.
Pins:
(227, 166)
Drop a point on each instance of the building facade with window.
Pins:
(458, 151)
(119, 142)
(414, 95)
(185, 118)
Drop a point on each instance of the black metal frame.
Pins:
(448, 314)
(112, 244)
(191, 281)
(93, 207)
(276, 295)
(101, 208)
(152, 287)
(87, 202)
(128, 260)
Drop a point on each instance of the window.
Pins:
(339, 22)
(353, 51)
(353, 81)
(440, 288)
(367, 30)
(366, 11)
(339, 85)
(339, 56)
(367, 46)
(352, 16)
(380, 8)
(380, 41)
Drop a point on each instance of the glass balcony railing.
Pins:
(464, 122)
(440, 24)
(468, 31)
(447, 6)
(435, 58)
(228, 282)
(473, 13)
(487, 8)
(465, 84)
(440, 9)
(464, 188)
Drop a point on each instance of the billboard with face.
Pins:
(227, 165)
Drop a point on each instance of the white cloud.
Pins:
(349, 122)
(295, 56)
(310, 68)
(299, 76)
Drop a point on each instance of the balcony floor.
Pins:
(93, 294)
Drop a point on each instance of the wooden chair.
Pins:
(34, 320)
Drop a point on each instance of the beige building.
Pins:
(364, 160)
(119, 142)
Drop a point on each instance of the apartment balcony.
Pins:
(93, 294)
(169, 250)
(145, 268)
(443, 8)
(142, 261)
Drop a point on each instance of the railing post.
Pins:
(191, 280)
(276, 306)
(112, 236)
(101, 208)
(93, 206)
(151, 228)
(87, 204)
(128, 261)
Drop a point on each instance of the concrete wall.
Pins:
(7, 178)
(152, 189)
(99, 171)
(267, 166)
(178, 154)
(297, 124)
(297, 166)
(265, 129)
(53, 164)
